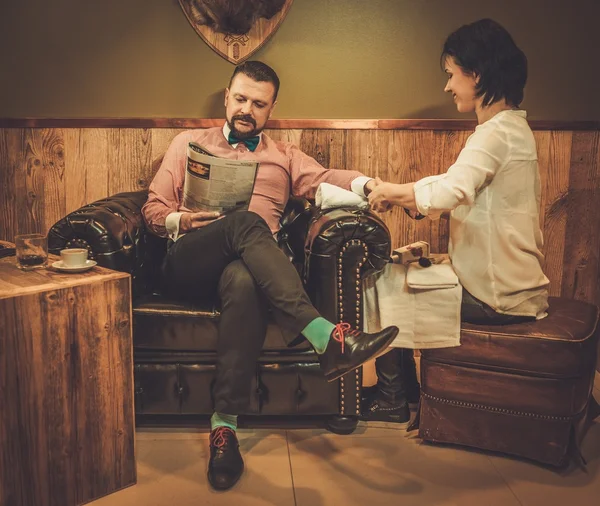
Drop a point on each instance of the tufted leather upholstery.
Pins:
(175, 342)
(523, 389)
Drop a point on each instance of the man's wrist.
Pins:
(172, 224)
(368, 187)
(358, 185)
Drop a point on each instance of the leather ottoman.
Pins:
(523, 389)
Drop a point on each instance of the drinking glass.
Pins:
(32, 251)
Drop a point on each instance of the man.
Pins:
(236, 256)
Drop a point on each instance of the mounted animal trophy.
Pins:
(235, 29)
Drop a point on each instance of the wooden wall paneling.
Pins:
(366, 152)
(40, 194)
(409, 158)
(394, 162)
(582, 239)
(325, 146)
(286, 135)
(426, 150)
(92, 158)
(27, 175)
(336, 140)
(129, 159)
(54, 200)
(542, 142)
(75, 170)
(554, 158)
(447, 146)
(161, 139)
(11, 146)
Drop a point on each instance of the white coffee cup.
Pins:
(74, 257)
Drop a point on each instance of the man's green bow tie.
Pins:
(250, 143)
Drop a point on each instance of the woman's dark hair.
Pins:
(485, 49)
(259, 72)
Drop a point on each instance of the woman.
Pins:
(492, 191)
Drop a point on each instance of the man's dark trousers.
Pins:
(237, 259)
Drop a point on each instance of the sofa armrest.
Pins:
(343, 246)
(294, 228)
(111, 229)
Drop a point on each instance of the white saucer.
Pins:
(79, 268)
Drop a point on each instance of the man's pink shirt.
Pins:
(280, 163)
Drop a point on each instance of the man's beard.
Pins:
(243, 135)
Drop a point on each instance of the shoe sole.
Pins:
(338, 374)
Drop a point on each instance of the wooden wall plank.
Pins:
(447, 146)
(29, 184)
(554, 158)
(364, 151)
(93, 160)
(129, 159)
(161, 139)
(409, 158)
(286, 135)
(53, 157)
(582, 239)
(75, 170)
(11, 149)
(325, 146)
(542, 141)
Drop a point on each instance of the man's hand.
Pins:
(386, 195)
(191, 221)
(378, 196)
(370, 185)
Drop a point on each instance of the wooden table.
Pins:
(66, 386)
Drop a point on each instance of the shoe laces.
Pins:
(220, 437)
(342, 330)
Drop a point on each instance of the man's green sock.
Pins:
(318, 332)
(223, 420)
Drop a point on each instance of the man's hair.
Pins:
(485, 49)
(258, 71)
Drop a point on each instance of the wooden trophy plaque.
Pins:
(235, 29)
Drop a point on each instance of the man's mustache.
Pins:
(245, 118)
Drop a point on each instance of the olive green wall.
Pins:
(336, 58)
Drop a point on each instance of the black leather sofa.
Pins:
(175, 342)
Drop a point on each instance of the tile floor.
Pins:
(375, 466)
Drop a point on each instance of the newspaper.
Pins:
(217, 184)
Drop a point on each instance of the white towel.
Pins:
(440, 275)
(428, 317)
(329, 196)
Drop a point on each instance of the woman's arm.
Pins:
(485, 152)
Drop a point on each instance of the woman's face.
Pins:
(461, 85)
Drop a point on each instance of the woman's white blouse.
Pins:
(493, 193)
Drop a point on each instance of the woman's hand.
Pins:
(379, 195)
(386, 195)
(191, 221)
